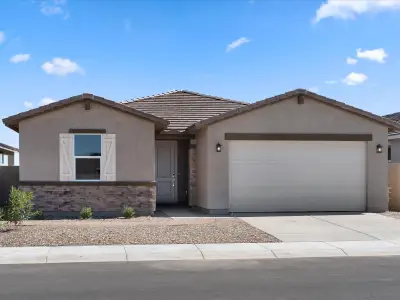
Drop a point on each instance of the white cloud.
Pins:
(237, 43)
(20, 58)
(377, 55)
(351, 61)
(54, 7)
(61, 67)
(349, 9)
(314, 89)
(28, 104)
(46, 101)
(355, 78)
(51, 10)
(330, 81)
(2, 37)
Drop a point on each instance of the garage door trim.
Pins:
(297, 137)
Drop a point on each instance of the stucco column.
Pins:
(192, 173)
(11, 159)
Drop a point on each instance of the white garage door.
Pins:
(290, 176)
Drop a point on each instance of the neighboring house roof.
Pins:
(392, 125)
(394, 117)
(13, 121)
(184, 108)
(9, 148)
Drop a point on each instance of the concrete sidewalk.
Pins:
(128, 253)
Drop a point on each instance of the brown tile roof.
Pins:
(13, 121)
(7, 147)
(394, 117)
(184, 108)
(392, 125)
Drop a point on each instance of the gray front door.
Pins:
(166, 159)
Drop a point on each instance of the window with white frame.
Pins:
(87, 157)
(1, 158)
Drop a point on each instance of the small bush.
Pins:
(19, 207)
(37, 215)
(128, 212)
(86, 213)
(2, 221)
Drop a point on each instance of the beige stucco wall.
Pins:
(39, 142)
(395, 146)
(290, 117)
(394, 185)
(201, 168)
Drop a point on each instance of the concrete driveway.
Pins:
(328, 227)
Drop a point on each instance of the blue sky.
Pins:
(239, 49)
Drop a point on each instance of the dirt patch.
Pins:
(392, 214)
(144, 230)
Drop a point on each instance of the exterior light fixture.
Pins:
(218, 147)
(379, 148)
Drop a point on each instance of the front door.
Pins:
(166, 158)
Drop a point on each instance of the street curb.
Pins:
(131, 253)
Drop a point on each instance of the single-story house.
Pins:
(295, 152)
(7, 155)
(394, 140)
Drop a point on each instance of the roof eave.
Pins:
(8, 124)
(392, 125)
(8, 149)
(12, 122)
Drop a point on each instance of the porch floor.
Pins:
(184, 212)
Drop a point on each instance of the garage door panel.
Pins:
(309, 205)
(273, 176)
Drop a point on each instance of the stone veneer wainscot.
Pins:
(104, 198)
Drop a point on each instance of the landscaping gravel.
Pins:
(134, 231)
(392, 214)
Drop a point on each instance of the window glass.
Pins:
(87, 145)
(87, 168)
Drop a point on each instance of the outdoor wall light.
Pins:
(218, 147)
(379, 148)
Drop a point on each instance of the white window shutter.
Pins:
(108, 161)
(67, 166)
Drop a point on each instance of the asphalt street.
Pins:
(320, 279)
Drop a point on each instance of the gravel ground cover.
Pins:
(141, 230)
(392, 214)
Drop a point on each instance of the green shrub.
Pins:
(37, 215)
(128, 212)
(86, 213)
(2, 221)
(19, 207)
